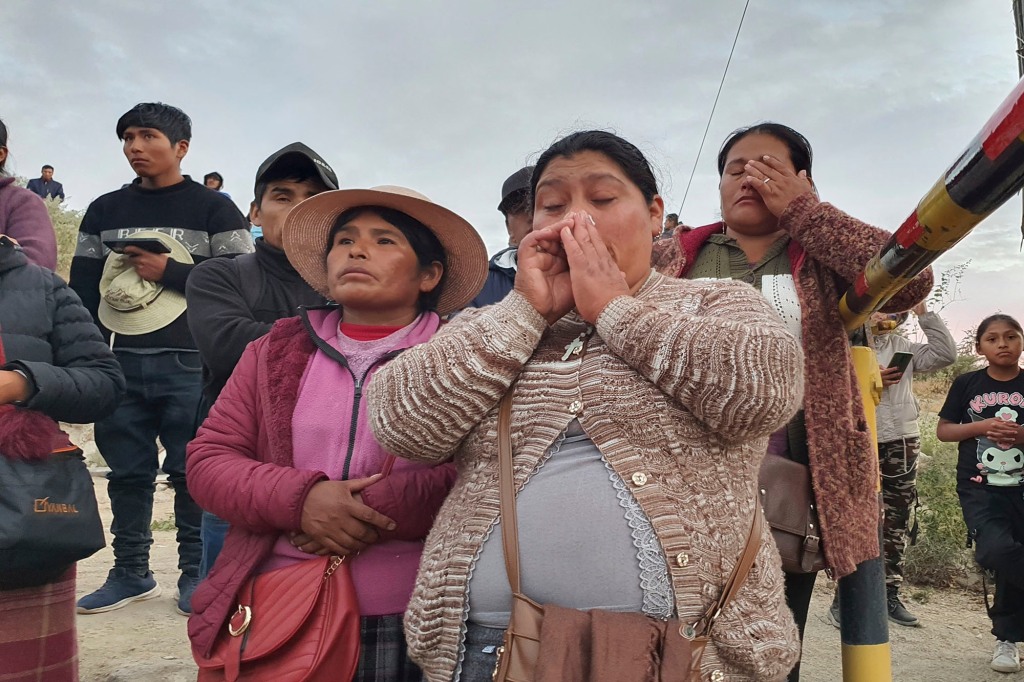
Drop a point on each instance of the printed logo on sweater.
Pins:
(197, 242)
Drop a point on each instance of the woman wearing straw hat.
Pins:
(287, 456)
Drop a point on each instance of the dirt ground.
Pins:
(147, 640)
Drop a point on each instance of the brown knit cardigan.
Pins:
(678, 388)
(828, 250)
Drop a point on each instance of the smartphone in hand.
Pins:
(901, 361)
(151, 244)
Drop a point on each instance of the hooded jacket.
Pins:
(896, 415)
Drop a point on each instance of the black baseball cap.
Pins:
(297, 151)
(516, 183)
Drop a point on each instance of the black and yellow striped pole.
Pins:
(863, 614)
(983, 177)
(986, 174)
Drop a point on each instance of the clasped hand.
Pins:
(566, 265)
(335, 520)
(1003, 433)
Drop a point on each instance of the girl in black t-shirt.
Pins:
(984, 412)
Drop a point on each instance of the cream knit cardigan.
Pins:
(678, 387)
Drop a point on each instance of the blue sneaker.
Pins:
(186, 586)
(121, 588)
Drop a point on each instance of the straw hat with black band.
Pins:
(309, 224)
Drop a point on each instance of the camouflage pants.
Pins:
(897, 461)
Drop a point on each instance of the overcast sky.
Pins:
(450, 97)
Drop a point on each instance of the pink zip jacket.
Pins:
(241, 467)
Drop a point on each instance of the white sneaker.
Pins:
(1005, 658)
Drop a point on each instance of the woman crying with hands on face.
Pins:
(641, 407)
(801, 253)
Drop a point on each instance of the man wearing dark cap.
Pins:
(233, 302)
(517, 208)
(671, 222)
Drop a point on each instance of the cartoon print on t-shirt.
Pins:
(999, 467)
(1006, 414)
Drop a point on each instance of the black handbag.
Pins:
(49, 518)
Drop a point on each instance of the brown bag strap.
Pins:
(737, 577)
(507, 493)
(388, 463)
(510, 529)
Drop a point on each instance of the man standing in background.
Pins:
(45, 186)
(215, 181)
(232, 302)
(671, 222)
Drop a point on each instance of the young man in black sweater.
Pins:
(233, 302)
(162, 366)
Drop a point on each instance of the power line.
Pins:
(713, 107)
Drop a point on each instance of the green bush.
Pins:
(65, 223)
(940, 557)
(966, 361)
(163, 524)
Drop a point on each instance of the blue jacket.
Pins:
(500, 280)
(46, 189)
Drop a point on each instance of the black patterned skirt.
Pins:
(382, 656)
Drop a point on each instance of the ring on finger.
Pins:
(767, 180)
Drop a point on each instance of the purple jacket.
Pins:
(239, 467)
(23, 217)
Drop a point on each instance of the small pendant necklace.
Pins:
(575, 347)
